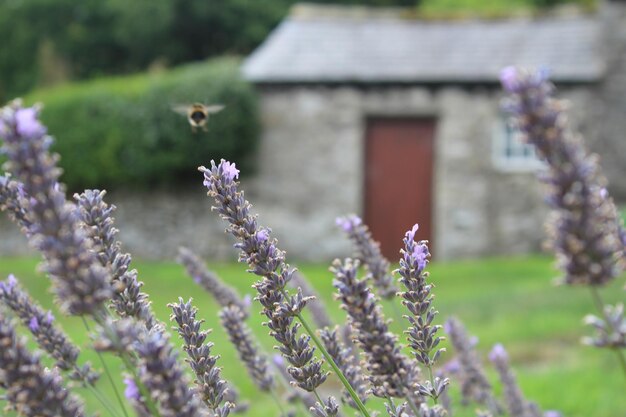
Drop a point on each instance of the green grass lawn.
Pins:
(511, 301)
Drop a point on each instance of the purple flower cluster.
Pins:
(610, 330)
(161, 374)
(263, 257)
(585, 231)
(348, 364)
(31, 389)
(422, 334)
(369, 254)
(48, 336)
(474, 383)
(517, 405)
(80, 282)
(210, 386)
(128, 300)
(390, 373)
(240, 336)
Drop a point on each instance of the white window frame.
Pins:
(509, 152)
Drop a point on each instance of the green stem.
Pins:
(390, 401)
(597, 299)
(130, 368)
(277, 401)
(108, 373)
(96, 392)
(284, 383)
(432, 381)
(413, 406)
(333, 365)
(145, 394)
(319, 400)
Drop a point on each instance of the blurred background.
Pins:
(389, 109)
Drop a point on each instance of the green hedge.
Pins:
(121, 132)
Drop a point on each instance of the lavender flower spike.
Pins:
(80, 283)
(346, 362)
(210, 386)
(222, 293)
(417, 298)
(474, 383)
(263, 257)
(610, 329)
(96, 216)
(48, 336)
(517, 405)
(164, 378)
(329, 408)
(585, 231)
(31, 389)
(390, 374)
(369, 254)
(240, 335)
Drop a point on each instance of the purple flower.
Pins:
(132, 391)
(604, 193)
(262, 235)
(278, 360)
(79, 284)
(584, 230)
(10, 283)
(542, 74)
(420, 254)
(468, 368)
(33, 324)
(508, 78)
(27, 123)
(247, 300)
(98, 222)
(230, 171)
(410, 235)
(49, 317)
(347, 224)
(552, 413)
(266, 260)
(498, 353)
(368, 253)
(452, 367)
(27, 385)
(473, 341)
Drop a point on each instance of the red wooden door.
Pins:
(398, 180)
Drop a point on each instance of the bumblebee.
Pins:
(197, 114)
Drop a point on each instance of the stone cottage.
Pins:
(399, 121)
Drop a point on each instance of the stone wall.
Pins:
(606, 117)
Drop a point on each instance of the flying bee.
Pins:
(197, 113)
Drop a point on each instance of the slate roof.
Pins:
(327, 48)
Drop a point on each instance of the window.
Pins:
(510, 152)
